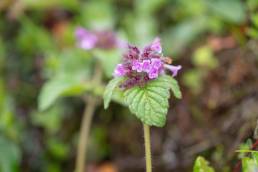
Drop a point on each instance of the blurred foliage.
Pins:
(43, 75)
(202, 165)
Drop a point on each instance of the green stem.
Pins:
(91, 103)
(147, 142)
(84, 133)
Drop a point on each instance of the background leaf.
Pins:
(9, 155)
(109, 60)
(201, 165)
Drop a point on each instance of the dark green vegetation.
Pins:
(214, 41)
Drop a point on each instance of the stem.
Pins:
(147, 142)
(90, 105)
(84, 133)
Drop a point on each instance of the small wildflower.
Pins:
(153, 73)
(146, 65)
(136, 65)
(173, 69)
(85, 39)
(141, 66)
(120, 70)
(97, 39)
(156, 46)
(156, 63)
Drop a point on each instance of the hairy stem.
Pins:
(90, 106)
(147, 144)
(84, 133)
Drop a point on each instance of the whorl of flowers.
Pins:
(141, 66)
(97, 39)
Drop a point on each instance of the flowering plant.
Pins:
(73, 78)
(145, 84)
(145, 87)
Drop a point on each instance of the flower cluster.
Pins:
(97, 39)
(142, 66)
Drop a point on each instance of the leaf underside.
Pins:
(112, 85)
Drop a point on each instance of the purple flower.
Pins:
(146, 65)
(85, 39)
(156, 63)
(132, 54)
(141, 66)
(136, 65)
(153, 73)
(156, 46)
(173, 69)
(97, 39)
(120, 70)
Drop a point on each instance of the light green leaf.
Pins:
(174, 86)
(39, 5)
(204, 57)
(150, 103)
(97, 15)
(182, 34)
(58, 87)
(201, 165)
(51, 91)
(249, 165)
(230, 10)
(9, 155)
(255, 156)
(110, 89)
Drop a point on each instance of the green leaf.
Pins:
(201, 165)
(51, 91)
(60, 87)
(249, 165)
(174, 86)
(204, 57)
(182, 34)
(255, 156)
(230, 10)
(92, 18)
(10, 155)
(110, 89)
(150, 103)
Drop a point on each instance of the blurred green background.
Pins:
(43, 76)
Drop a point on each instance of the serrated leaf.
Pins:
(174, 86)
(201, 165)
(150, 103)
(109, 90)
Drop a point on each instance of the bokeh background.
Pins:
(43, 77)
